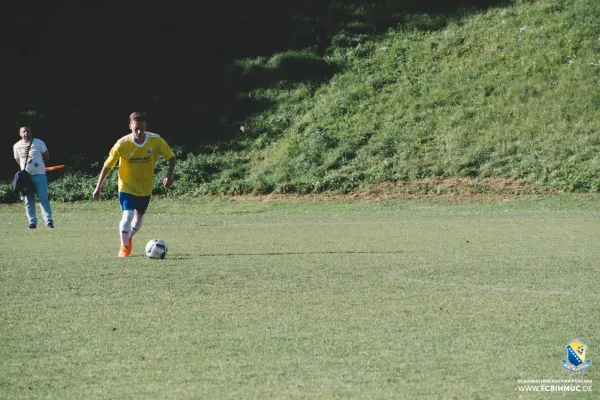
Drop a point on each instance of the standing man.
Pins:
(137, 154)
(36, 167)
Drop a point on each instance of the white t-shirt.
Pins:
(35, 162)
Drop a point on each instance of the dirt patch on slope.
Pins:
(447, 189)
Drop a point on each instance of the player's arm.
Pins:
(167, 153)
(103, 174)
(109, 164)
(168, 181)
(46, 156)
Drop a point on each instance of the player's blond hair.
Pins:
(137, 116)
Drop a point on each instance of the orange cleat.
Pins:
(124, 252)
(130, 245)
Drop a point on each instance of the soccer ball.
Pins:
(156, 248)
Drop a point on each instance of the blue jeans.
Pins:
(41, 190)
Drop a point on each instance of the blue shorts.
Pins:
(133, 202)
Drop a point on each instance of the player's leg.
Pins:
(141, 207)
(125, 230)
(136, 225)
(128, 207)
(41, 187)
(125, 226)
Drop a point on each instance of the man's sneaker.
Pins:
(124, 252)
(50, 225)
(130, 245)
(32, 225)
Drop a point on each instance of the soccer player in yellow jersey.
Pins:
(136, 154)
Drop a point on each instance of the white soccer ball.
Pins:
(156, 248)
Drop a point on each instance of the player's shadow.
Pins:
(299, 253)
(180, 257)
(188, 256)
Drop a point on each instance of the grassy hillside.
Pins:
(510, 92)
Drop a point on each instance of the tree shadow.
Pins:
(85, 68)
(314, 25)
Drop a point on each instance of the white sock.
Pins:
(125, 226)
(137, 223)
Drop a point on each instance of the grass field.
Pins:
(300, 299)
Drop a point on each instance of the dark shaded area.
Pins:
(74, 73)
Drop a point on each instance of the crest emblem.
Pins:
(576, 357)
(150, 150)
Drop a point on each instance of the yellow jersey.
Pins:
(136, 162)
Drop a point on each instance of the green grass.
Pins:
(299, 299)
